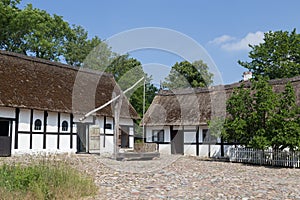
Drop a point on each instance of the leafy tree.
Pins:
(100, 57)
(277, 57)
(126, 72)
(35, 32)
(260, 118)
(78, 46)
(186, 75)
(286, 123)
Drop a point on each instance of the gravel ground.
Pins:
(184, 177)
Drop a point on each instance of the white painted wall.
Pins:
(6, 112)
(24, 120)
(51, 141)
(37, 142)
(24, 140)
(52, 122)
(190, 149)
(165, 149)
(109, 145)
(64, 142)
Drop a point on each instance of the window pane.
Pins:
(108, 126)
(37, 124)
(64, 126)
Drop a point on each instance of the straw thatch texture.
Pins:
(33, 83)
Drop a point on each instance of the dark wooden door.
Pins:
(124, 137)
(177, 142)
(5, 139)
(81, 138)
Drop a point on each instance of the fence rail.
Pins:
(266, 157)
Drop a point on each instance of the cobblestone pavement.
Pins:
(183, 177)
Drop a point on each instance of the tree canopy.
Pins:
(186, 75)
(35, 32)
(127, 71)
(277, 57)
(260, 118)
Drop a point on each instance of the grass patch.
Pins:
(46, 179)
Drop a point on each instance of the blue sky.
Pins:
(222, 28)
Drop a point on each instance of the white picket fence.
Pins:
(267, 157)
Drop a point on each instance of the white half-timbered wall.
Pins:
(51, 137)
(190, 144)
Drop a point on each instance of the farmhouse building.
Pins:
(41, 103)
(178, 120)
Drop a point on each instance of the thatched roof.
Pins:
(197, 106)
(27, 82)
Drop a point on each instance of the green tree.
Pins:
(100, 57)
(126, 72)
(10, 34)
(78, 46)
(277, 57)
(35, 32)
(186, 75)
(260, 118)
(286, 123)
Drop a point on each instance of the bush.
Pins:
(44, 180)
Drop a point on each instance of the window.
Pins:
(207, 137)
(37, 124)
(158, 136)
(108, 126)
(64, 126)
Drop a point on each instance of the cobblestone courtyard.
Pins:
(183, 177)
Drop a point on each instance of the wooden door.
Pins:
(5, 138)
(124, 137)
(177, 142)
(81, 138)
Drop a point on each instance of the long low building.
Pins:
(41, 103)
(177, 120)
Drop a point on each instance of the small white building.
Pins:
(41, 103)
(178, 120)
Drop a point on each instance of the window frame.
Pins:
(158, 136)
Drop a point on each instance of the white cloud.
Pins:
(230, 43)
(222, 39)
